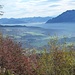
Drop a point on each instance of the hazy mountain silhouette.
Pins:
(23, 20)
(68, 16)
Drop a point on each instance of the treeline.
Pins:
(58, 60)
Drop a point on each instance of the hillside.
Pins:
(68, 16)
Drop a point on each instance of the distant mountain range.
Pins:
(12, 26)
(68, 16)
(24, 20)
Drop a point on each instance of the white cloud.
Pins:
(29, 8)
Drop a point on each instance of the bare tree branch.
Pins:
(1, 12)
(1, 6)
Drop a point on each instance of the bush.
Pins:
(12, 58)
(58, 60)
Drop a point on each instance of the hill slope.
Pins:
(68, 16)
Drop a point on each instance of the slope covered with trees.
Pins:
(65, 17)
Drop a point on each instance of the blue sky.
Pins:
(35, 8)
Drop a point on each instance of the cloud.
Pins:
(30, 8)
(54, 5)
(53, 0)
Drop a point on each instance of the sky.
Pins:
(35, 8)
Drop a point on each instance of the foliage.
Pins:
(12, 57)
(58, 60)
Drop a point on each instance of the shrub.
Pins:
(12, 57)
(60, 60)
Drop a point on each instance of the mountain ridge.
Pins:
(23, 20)
(67, 16)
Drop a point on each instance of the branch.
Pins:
(1, 12)
(1, 6)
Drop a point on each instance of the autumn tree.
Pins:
(14, 59)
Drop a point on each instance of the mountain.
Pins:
(12, 26)
(68, 16)
(23, 20)
(10, 21)
(35, 19)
